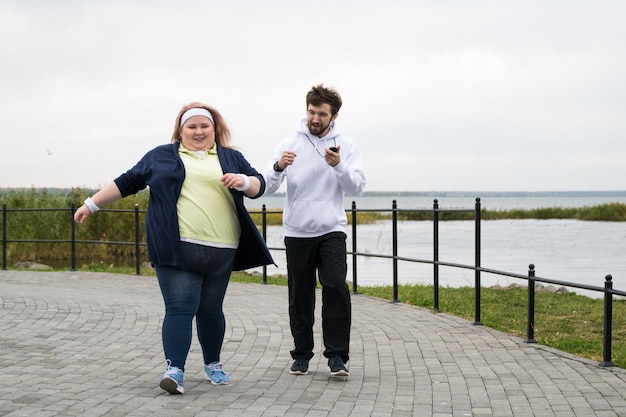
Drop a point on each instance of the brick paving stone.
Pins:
(89, 344)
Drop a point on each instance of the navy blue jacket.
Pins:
(163, 171)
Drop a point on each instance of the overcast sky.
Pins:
(439, 95)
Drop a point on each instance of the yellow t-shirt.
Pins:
(206, 209)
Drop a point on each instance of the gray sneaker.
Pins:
(337, 367)
(300, 367)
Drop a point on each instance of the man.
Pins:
(320, 166)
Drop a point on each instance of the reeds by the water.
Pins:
(46, 216)
(116, 223)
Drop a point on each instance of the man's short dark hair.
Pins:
(319, 95)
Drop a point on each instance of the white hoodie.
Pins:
(314, 203)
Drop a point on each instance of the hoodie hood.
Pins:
(332, 133)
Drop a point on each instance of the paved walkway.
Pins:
(88, 344)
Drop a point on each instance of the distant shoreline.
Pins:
(493, 193)
(431, 193)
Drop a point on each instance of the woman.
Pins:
(198, 232)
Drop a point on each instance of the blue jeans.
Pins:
(196, 290)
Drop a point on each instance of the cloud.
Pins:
(472, 90)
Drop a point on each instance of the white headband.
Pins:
(196, 111)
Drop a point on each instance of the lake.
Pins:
(566, 250)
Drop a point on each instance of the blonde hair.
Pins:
(222, 133)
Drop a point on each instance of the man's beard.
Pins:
(317, 131)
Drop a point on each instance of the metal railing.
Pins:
(72, 229)
(608, 291)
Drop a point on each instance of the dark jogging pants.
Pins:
(325, 255)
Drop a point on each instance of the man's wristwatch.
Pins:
(277, 168)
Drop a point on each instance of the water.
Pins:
(565, 250)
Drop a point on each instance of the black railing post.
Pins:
(72, 238)
(477, 264)
(354, 251)
(264, 233)
(137, 253)
(394, 243)
(4, 237)
(530, 329)
(608, 323)
(436, 256)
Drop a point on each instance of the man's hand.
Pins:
(331, 156)
(286, 159)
